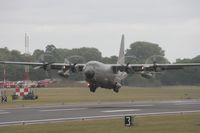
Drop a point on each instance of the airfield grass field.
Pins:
(187, 123)
(68, 95)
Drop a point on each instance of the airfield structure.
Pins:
(26, 73)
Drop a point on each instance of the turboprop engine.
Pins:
(64, 74)
(147, 75)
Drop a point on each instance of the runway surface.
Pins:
(44, 114)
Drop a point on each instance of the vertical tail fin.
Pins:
(121, 58)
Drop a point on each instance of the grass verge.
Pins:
(81, 94)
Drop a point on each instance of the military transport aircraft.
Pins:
(102, 75)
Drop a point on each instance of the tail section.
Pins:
(121, 58)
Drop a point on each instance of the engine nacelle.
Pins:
(64, 74)
(147, 75)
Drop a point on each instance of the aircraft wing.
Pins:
(131, 68)
(56, 66)
(115, 67)
(162, 67)
(21, 63)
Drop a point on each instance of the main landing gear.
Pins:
(117, 87)
(92, 87)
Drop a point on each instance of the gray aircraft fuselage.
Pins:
(98, 74)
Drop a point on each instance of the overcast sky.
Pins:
(174, 24)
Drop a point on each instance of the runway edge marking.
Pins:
(123, 110)
(53, 110)
(1, 113)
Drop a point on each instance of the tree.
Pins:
(87, 53)
(144, 50)
(110, 60)
(50, 54)
(12, 71)
(140, 53)
(4, 54)
(38, 55)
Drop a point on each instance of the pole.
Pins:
(26, 73)
(4, 75)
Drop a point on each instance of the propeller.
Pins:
(66, 70)
(155, 66)
(154, 59)
(127, 69)
(72, 67)
(124, 68)
(147, 75)
(72, 61)
(47, 68)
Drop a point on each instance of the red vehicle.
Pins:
(8, 84)
(44, 83)
(1, 84)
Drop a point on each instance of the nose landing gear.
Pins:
(92, 87)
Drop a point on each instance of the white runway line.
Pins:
(52, 110)
(145, 105)
(170, 112)
(186, 103)
(124, 110)
(1, 113)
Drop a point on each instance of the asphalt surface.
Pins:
(30, 115)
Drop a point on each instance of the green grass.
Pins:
(82, 94)
(187, 123)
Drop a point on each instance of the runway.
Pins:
(42, 114)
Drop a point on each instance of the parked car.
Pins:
(44, 83)
(8, 84)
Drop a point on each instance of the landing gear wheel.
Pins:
(117, 87)
(92, 87)
(92, 90)
(116, 90)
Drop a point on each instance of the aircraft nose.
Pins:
(89, 74)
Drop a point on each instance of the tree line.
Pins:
(138, 53)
